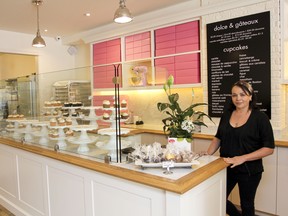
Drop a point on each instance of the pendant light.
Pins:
(38, 40)
(122, 14)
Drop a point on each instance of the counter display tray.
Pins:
(164, 164)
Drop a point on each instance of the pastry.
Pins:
(69, 133)
(61, 122)
(68, 121)
(106, 104)
(124, 115)
(53, 122)
(106, 116)
(123, 104)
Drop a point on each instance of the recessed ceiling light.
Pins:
(87, 14)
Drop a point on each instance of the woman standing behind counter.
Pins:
(244, 137)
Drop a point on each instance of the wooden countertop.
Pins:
(179, 186)
(282, 142)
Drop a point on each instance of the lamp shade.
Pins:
(38, 41)
(122, 14)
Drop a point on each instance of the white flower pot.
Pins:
(180, 143)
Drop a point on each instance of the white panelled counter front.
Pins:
(37, 181)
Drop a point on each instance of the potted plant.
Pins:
(180, 124)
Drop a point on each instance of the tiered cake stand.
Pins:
(111, 144)
(27, 131)
(43, 133)
(83, 140)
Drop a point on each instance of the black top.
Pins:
(254, 134)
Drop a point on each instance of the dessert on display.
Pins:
(16, 117)
(106, 104)
(123, 104)
(124, 115)
(69, 133)
(106, 116)
(61, 122)
(53, 122)
(68, 121)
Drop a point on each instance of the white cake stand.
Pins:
(43, 133)
(28, 132)
(111, 144)
(83, 140)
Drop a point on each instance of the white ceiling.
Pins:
(66, 17)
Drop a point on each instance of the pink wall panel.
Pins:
(163, 52)
(138, 46)
(145, 54)
(166, 37)
(145, 48)
(166, 30)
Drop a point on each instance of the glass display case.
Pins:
(56, 110)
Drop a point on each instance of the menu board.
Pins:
(239, 49)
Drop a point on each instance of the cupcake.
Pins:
(53, 122)
(65, 114)
(106, 104)
(68, 121)
(54, 113)
(124, 115)
(48, 113)
(10, 126)
(61, 122)
(54, 135)
(69, 133)
(74, 114)
(123, 104)
(106, 116)
(67, 104)
(21, 126)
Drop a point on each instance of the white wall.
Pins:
(53, 57)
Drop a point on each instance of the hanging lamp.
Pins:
(122, 14)
(38, 40)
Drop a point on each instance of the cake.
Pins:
(65, 114)
(69, 133)
(124, 115)
(67, 104)
(16, 116)
(47, 113)
(68, 121)
(54, 135)
(106, 116)
(74, 114)
(106, 104)
(61, 122)
(10, 126)
(53, 122)
(123, 104)
(21, 126)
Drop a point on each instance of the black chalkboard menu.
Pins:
(239, 49)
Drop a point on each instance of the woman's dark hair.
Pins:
(247, 88)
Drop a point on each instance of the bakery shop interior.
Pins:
(146, 95)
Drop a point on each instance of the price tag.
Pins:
(168, 164)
